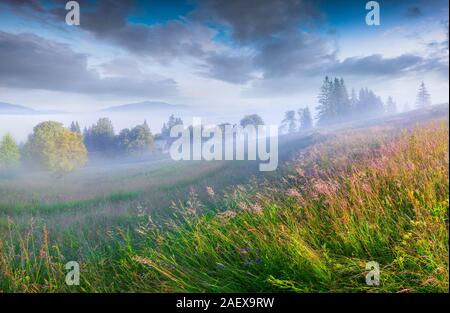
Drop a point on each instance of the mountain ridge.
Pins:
(144, 106)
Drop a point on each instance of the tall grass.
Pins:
(362, 196)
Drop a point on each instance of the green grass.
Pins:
(67, 205)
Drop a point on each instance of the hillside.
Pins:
(7, 108)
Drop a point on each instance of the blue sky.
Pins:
(234, 53)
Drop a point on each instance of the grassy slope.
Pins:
(359, 197)
(356, 199)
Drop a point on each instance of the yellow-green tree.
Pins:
(9, 152)
(56, 148)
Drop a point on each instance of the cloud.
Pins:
(165, 42)
(231, 69)
(295, 53)
(32, 62)
(253, 20)
(377, 65)
(108, 21)
(271, 29)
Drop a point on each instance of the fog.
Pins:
(20, 126)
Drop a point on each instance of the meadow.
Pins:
(342, 197)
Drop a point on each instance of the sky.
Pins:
(216, 54)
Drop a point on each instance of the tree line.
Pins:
(54, 147)
(335, 105)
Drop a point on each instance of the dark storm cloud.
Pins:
(253, 20)
(31, 62)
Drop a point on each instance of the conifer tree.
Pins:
(324, 109)
(423, 96)
(305, 118)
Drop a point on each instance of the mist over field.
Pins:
(20, 126)
(320, 165)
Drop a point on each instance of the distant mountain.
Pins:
(145, 106)
(7, 108)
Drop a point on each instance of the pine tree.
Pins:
(369, 104)
(423, 97)
(342, 100)
(353, 102)
(75, 127)
(324, 109)
(289, 122)
(305, 118)
(391, 106)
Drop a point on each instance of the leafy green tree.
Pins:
(305, 118)
(423, 96)
(9, 152)
(289, 122)
(253, 119)
(100, 137)
(138, 140)
(56, 148)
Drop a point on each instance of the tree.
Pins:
(391, 106)
(305, 118)
(75, 127)
(353, 101)
(423, 97)
(325, 110)
(289, 122)
(341, 99)
(253, 119)
(173, 121)
(56, 148)
(9, 152)
(100, 137)
(369, 104)
(136, 141)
